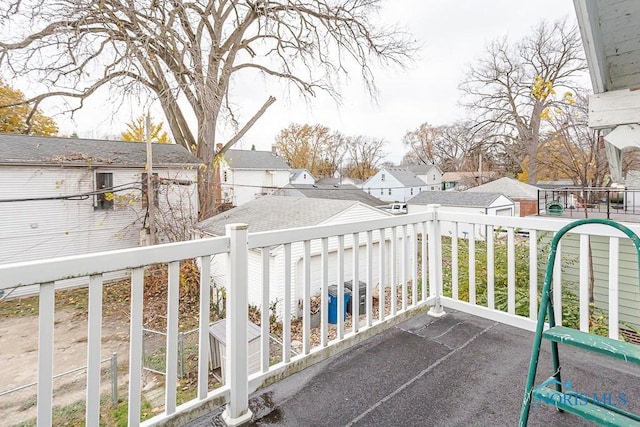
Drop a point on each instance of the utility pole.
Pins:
(151, 207)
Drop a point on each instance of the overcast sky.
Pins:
(451, 33)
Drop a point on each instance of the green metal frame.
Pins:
(546, 307)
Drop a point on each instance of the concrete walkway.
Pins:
(458, 370)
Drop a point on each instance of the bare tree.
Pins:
(187, 55)
(511, 88)
(449, 146)
(365, 154)
(313, 147)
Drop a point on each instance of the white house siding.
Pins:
(303, 178)
(391, 190)
(43, 229)
(629, 290)
(243, 185)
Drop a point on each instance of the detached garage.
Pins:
(463, 202)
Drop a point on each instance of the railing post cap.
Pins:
(237, 226)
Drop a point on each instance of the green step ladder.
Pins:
(551, 391)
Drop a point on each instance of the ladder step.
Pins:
(603, 345)
(586, 408)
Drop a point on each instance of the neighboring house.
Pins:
(524, 195)
(248, 174)
(333, 192)
(395, 184)
(63, 197)
(278, 213)
(430, 174)
(463, 202)
(301, 176)
(341, 180)
(464, 180)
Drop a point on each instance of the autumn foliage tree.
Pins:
(137, 131)
(188, 57)
(513, 86)
(16, 117)
(312, 147)
(364, 155)
(571, 150)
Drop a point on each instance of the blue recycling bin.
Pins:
(333, 303)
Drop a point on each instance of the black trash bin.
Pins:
(362, 296)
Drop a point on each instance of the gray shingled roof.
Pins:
(335, 181)
(27, 149)
(276, 213)
(509, 187)
(333, 192)
(406, 177)
(421, 169)
(253, 159)
(454, 198)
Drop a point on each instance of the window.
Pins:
(382, 191)
(421, 189)
(412, 191)
(434, 176)
(304, 176)
(382, 177)
(104, 184)
(156, 185)
(389, 191)
(224, 176)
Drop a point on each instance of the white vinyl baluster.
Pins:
(533, 274)
(511, 271)
(455, 263)
(424, 262)
(614, 264)
(340, 303)
(324, 293)
(46, 320)
(203, 327)
(135, 345)
(286, 320)
(94, 345)
(369, 277)
(383, 263)
(403, 266)
(306, 298)
(171, 375)
(394, 270)
(584, 282)
(264, 313)
(355, 283)
(472, 265)
(557, 285)
(414, 266)
(491, 269)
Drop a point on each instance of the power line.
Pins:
(79, 196)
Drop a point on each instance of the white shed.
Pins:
(275, 213)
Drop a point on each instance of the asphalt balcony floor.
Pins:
(457, 370)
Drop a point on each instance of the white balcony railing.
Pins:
(408, 262)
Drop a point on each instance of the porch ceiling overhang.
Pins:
(610, 32)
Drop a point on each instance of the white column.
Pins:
(435, 263)
(237, 411)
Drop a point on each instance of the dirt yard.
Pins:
(19, 360)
